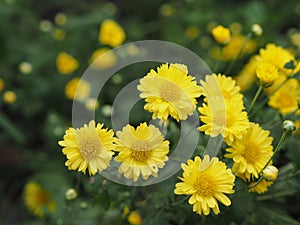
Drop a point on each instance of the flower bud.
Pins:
(270, 173)
(221, 34)
(288, 126)
(257, 29)
(71, 194)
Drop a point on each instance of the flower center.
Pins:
(251, 152)
(205, 185)
(169, 91)
(88, 143)
(140, 156)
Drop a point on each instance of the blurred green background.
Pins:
(35, 32)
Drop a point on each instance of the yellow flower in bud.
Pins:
(25, 67)
(288, 126)
(106, 58)
(9, 97)
(270, 173)
(71, 194)
(111, 33)
(65, 63)
(78, 89)
(266, 73)
(134, 218)
(60, 18)
(257, 29)
(91, 104)
(221, 34)
(126, 210)
(295, 39)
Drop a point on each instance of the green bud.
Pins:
(288, 126)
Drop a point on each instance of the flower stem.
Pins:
(255, 98)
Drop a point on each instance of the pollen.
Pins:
(170, 91)
(205, 185)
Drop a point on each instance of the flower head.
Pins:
(134, 218)
(207, 181)
(251, 153)
(108, 58)
(37, 200)
(169, 91)
(78, 89)
(89, 147)
(142, 151)
(65, 63)
(111, 33)
(261, 187)
(266, 73)
(221, 34)
(270, 173)
(9, 97)
(257, 29)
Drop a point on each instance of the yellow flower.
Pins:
(65, 63)
(266, 73)
(270, 173)
(295, 39)
(78, 89)
(108, 58)
(192, 32)
(167, 10)
(221, 34)
(247, 76)
(276, 56)
(60, 18)
(89, 147)
(91, 104)
(221, 86)
(2, 84)
(142, 151)
(25, 67)
(111, 33)
(257, 29)
(37, 200)
(231, 122)
(59, 34)
(134, 218)
(286, 98)
(207, 181)
(169, 91)
(251, 152)
(232, 50)
(71, 194)
(261, 187)
(9, 97)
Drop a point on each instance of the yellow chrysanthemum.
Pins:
(65, 63)
(9, 97)
(286, 98)
(247, 76)
(108, 58)
(221, 86)
(142, 151)
(78, 89)
(134, 218)
(276, 56)
(89, 147)
(231, 122)
(251, 153)
(111, 33)
(266, 73)
(207, 181)
(221, 34)
(261, 187)
(169, 91)
(37, 200)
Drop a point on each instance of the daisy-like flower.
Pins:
(231, 122)
(221, 86)
(37, 200)
(89, 147)
(65, 63)
(221, 34)
(207, 181)
(142, 151)
(266, 73)
(169, 91)
(111, 33)
(78, 89)
(251, 153)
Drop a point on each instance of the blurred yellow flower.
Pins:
(257, 29)
(65, 63)
(286, 98)
(230, 120)
(45, 25)
(142, 151)
(207, 181)
(25, 67)
(192, 32)
(91, 104)
(134, 218)
(235, 27)
(9, 97)
(89, 147)
(295, 39)
(71, 194)
(261, 187)
(60, 18)
(169, 91)
(270, 173)
(266, 73)
(247, 76)
(108, 58)
(2, 84)
(59, 34)
(37, 200)
(167, 10)
(78, 89)
(111, 33)
(221, 34)
(252, 152)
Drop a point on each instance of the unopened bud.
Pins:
(288, 126)
(257, 29)
(270, 173)
(71, 194)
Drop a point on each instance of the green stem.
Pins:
(256, 183)
(255, 97)
(248, 36)
(277, 149)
